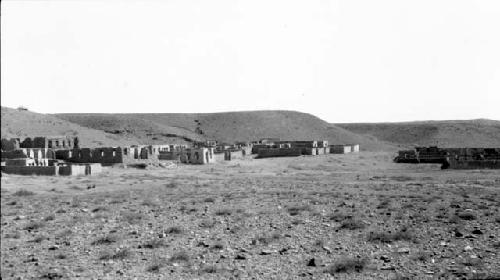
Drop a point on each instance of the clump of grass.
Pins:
(401, 178)
(155, 266)
(60, 211)
(63, 233)
(384, 204)
(131, 217)
(49, 218)
(39, 238)
(339, 216)
(295, 210)
(266, 239)
(99, 209)
(173, 230)
(104, 240)
(347, 265)
(149, 202)
(207, 223)
(115, 255)
(13, 202)
(61, 256)
(389, 237)
(23, 192)
(209, 269)
(33, 225)
(153, 243)
(13, 235)
(224, 212)
(217, 246)
(171, 185)
(421, 256)
(352, 224)
(209, 199)
(181, 256)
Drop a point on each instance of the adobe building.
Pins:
(109, 155)
(197, 156)
(340, 149)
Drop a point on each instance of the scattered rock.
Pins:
(467, 248)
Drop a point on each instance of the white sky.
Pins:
(343, 61)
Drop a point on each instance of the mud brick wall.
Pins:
(307, 144)
(279, 152)
(474, 164)
(72, 170)
(340, 149)
(32, 170)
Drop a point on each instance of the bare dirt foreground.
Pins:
(355, 216)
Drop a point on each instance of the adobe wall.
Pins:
(279, 152)
(32, 170)
(474, 164)
(340, 149)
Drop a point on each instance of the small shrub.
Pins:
(352, 224)
(173, 230)
(223, 212)
(207, 223)
(153, 243)
(218, 246)
(63, 233)
(131, 217)
(61, 256)
(39, 238)
(11, 203)
(209, 199)
(33, 225)
(339, 216)
(13, 235)
(171, 185)
(347, 265)
(23, 192)
(389, 237)
(209, 269)
(266, 239)
(155, 267)
(108, 239)
(115, 255)
(295, 210)
(49, 218)
(421, 256)
(99, 209)
(181, 256)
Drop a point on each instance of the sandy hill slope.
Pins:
(469, 133)
(225, 127)
(17, 123)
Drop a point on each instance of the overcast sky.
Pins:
(343, 61)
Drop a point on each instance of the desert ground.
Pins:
(354, 216)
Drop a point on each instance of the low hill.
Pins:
(469, 133)
(226, 127)
(16, 123)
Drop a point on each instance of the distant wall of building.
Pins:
(32, 170)
(279, 152)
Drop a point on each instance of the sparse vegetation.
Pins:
(118, 254)
(347, 265)
(295, 210)
(104, 240)
(23, 192)
(389, 237)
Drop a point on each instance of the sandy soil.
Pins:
(356, 216)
